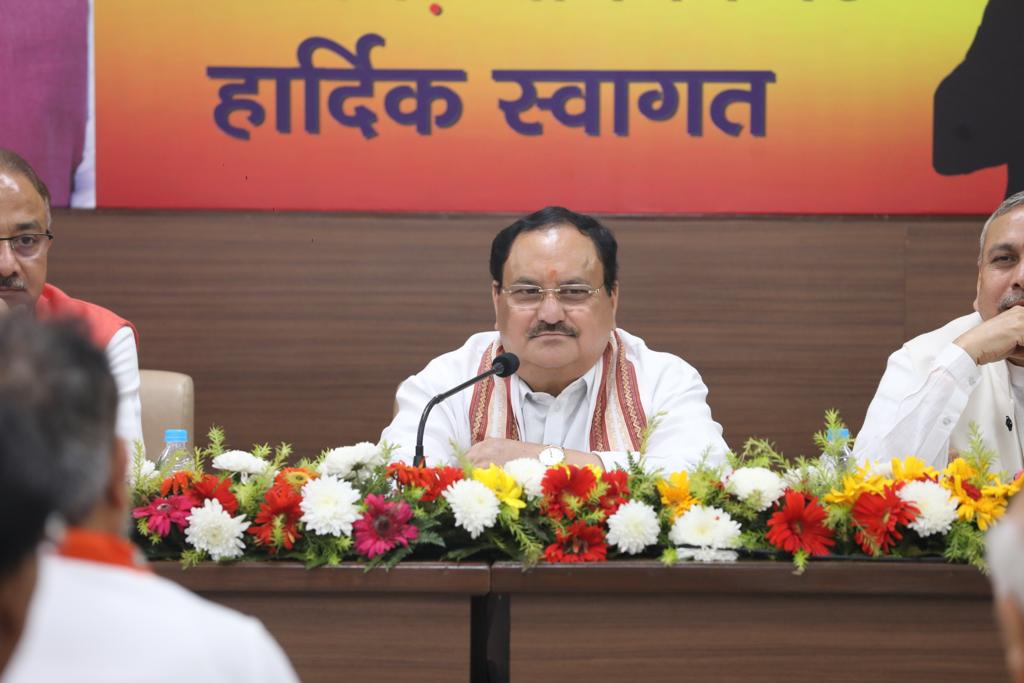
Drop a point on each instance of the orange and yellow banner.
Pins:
(645, 106)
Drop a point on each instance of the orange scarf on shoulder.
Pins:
(618, 422)
(97, 546)
(101, 324)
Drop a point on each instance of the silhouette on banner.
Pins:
(978, 106)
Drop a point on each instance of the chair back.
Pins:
(168, 402)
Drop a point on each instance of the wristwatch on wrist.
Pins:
(551, 456)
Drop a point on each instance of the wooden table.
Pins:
(623, 620)
(343, 623)
(750, 621)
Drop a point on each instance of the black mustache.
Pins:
(12, 282)
(558, 328)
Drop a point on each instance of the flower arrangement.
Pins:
(355, 503)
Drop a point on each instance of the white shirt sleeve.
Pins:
(123, 358)
(913, 414)
(448, 423)
(685, 432)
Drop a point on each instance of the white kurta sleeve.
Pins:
(449, 420)
(914, 414)
(686, 432)
(123, 358)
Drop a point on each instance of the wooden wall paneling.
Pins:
(942, 271)
(783, 318)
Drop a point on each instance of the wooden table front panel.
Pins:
(343, 623)
(751, 622)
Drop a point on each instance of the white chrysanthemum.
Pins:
(474, 505)
(707, 555)
(355, 463)
(212, 529)
(146, 471)
(757, 486)
(705, 527)
(329, 506)
(241, 462)
(883, 469)
(633, 527)
(937, 509)
(528, 473)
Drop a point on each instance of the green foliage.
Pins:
(325, 550)
(652, 426)
(966, 543)
(669, 556)
(800, 561)
(757, 453)
(980, 457)
(191, 558)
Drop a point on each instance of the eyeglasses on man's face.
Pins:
(29, 245)
(531, 296)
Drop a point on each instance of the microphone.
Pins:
(503, 365)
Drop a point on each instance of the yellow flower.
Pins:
(507, 490)
(675, 493)
(984, 511)
(1015, 486)
(959, 468)
(911, 468)
(983, 506)
(856, 484)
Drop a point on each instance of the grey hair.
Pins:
(1008, 205)
(65, 386)
(12, 162)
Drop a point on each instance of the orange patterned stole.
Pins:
(618, 422)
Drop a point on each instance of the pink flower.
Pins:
(162, 512)
(383, 526)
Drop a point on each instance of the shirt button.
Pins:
(972, 381)
(946, 421)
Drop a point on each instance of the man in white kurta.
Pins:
(98, 612)
(970, 371)
(96, 621)
(585, 393)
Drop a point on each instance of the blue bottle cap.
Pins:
(836, 434)
(176, 436)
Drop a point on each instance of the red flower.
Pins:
(565, 486)
(579, 543)
(433, 480)
(296, 477)
(383, 526)
(799, 525)
(161, 513)
(408, 476)
(878, 515)
(177, 483)
(617, 493)
(443, 478)
(277, 521)
(211, 486)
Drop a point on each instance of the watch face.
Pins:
(552, 455)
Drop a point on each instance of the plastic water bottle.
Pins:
(175, 443)
(843, 459)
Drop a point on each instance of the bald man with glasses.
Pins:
(585, 392)
(25, 239)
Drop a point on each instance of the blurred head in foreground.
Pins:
(26, 501)
(1005, 557)
(64, 383)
